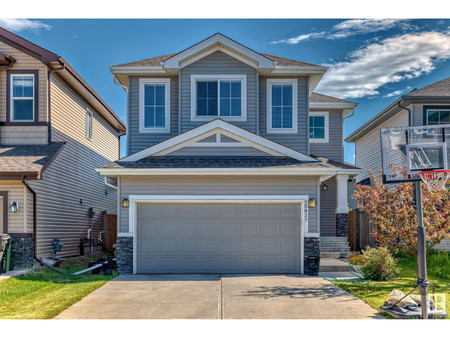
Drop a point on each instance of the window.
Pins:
(318, 127)
(282, 106)
(89, 124)
(221, 96)
(154, 111)
(22, 98)
(438, 116)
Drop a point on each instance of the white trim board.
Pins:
(222, 126)
(294, 128)
(135, 199)
(326, 116)
(166, 83)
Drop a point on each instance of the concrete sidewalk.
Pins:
(214, 296)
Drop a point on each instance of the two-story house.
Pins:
(54, 131)
(429, 105)
(234, 163)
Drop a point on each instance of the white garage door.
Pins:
(218, 237)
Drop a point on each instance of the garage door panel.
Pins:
(218, 237)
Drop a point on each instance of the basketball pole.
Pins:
(422, 281)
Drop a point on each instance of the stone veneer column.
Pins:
(341, 207)
(312, 249)
(22, 252)
(124, 254)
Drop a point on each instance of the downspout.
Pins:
(125, 88)
(257, 102)
(30, 189)
(49, 77)
(408, 110)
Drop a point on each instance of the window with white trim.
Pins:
(221, 96)
(22, 98)
(318, 127)
(154, 105)
(88, 124)
(282, 115)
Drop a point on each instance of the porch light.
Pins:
(312, 203)
(14, 206)
(324, 187)
(125, 203)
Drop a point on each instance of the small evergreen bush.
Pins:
(378, 264)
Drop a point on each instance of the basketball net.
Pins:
(435, 180)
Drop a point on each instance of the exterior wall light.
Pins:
(324, 187)
(14, 206)
(312, 203)
(125, 203)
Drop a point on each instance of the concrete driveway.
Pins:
(214, 296)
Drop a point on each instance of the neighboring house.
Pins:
(54, 131)
(234, 164)
(429, 105)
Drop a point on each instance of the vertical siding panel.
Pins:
(72, 175)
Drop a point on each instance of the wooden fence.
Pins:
(110, 223)
(359, 230)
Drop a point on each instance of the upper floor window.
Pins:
(438, 116)
(218, 96)
(318, 127)
(22, 98)
(89, 124)
(154, 109)
(282, 106)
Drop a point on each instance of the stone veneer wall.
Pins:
(312, 249)
(22, 252)
(341, 225)
(124, 254)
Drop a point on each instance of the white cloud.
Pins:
(388, 61)
(349, 28)
(397, 92)
(19, 25)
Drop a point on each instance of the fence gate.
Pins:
(359, 230)
(110, 232)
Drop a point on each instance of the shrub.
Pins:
(378, 264)
(355, 258)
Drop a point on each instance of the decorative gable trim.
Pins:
(211, 128)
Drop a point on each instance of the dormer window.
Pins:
(154, 105)
(22, 104)
(282, 113)
(221, 96)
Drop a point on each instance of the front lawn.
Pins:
(376, 293)
(43, 294)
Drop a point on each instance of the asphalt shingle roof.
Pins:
(440, 88)
(316, 97)
(27, 160)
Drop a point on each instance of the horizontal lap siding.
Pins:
(16, 193)
(23, 135)
(333, 149)
(217, 185)
(418, 114)
(72, 175)
(137, 141)
(218, 63)
(328, 202)
(296, 141)
(368, 147)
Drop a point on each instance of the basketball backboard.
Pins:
(407, 151)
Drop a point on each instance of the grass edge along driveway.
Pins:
(43, 293)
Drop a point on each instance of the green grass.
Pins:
(376, 293)
(43, 293)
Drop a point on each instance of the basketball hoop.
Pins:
(435, 180)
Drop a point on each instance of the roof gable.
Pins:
(224, 132)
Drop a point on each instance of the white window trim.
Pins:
(294, 128)
(142, 83)
(327, 129)
(12, 98)
(241, 77)
(435, 109)
(89, 124)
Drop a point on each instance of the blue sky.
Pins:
(371, 62)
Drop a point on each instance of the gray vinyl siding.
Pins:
(218, 151)
(418, 113)
(218, 63)
(217, 185)
(333, 149)
(328, 201)
(136, 140)
(296, 141)
(72, 177)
